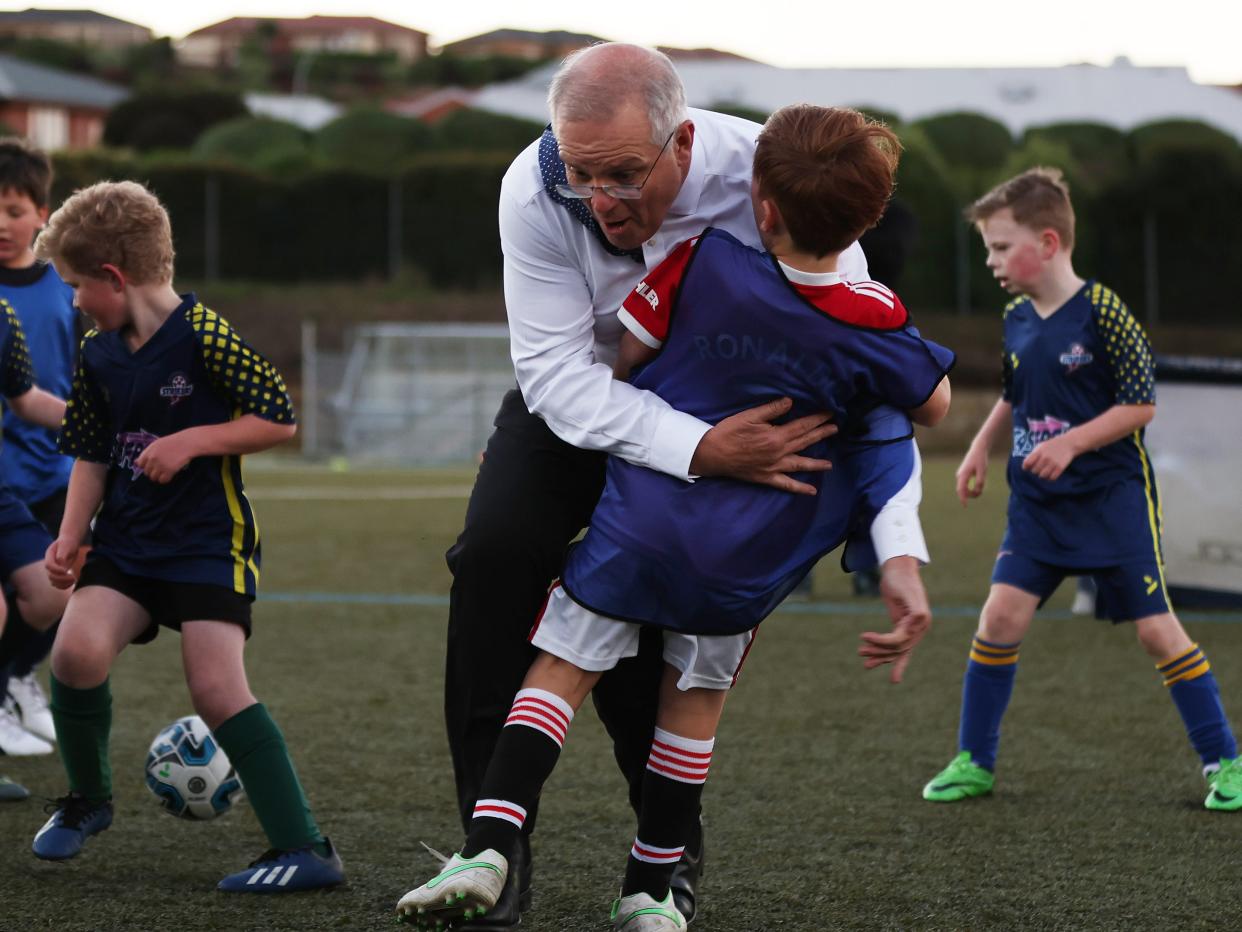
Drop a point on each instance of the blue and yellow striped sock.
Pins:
(1197, 697)
(985, 696)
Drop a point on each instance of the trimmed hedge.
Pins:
(1177, 188)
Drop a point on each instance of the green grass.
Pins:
(813, 810)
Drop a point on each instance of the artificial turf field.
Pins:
(813, 814)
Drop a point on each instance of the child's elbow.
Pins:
(934, 410)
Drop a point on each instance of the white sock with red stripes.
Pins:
(672, 791)
(525, 756)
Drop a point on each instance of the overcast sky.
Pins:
(1202, 35)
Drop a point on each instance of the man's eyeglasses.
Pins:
(624, 192)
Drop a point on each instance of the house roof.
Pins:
(309, 112)
(552, 37)
(33, 15)
(1121, 95)
(26, 81)
(306, 24)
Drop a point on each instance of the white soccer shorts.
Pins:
(596, 642)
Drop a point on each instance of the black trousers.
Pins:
(534, 493)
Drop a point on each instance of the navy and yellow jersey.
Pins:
(194, 370)
(16, 372)
(1060, 372)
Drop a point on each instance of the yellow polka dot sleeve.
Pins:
(1127, 348)
(18, 373)
(85, 432)
(239, 373)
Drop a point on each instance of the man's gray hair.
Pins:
(593, 83)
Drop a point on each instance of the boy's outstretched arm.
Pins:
(39, 407)
(86, 491)
(973, 471)
(1052, 457)
(167, 456)
(901, 587)
(932, 411)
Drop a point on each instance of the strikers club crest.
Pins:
(178, 387)
(1075, 358)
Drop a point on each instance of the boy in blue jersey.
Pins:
(31, 466)
(166, 399)
(21, 535)
(1078, 389)
(708, 561)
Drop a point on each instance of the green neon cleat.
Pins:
(962, 779)
(1225, 786)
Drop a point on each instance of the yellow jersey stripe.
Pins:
(239, 525)
(1152, 518)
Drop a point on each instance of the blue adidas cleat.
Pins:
(74, 819)
(287, 872)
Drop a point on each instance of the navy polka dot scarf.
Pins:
(552, 171)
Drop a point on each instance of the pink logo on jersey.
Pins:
(1075, 358)
(1047, 426)
(128, 447)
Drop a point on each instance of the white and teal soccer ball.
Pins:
(190, 773)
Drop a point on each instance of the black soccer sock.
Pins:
(672, 792)
(525, 756)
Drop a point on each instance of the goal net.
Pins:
(1196, 453)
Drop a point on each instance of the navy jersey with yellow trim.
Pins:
(16, 371)
(194, 370)
(1060, 372)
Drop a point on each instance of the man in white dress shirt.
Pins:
(623, 175)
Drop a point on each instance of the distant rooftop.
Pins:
(1121, 95)
(551, 37)
(33, 15)
(293, 25)
(26, 81)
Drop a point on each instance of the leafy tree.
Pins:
(452, 70)
(481, 131)
(740, 110)
(371, 140)
(1100, 152)
(1152, 140)
(975, 148)
(258, 144)
(66, 56)
(169, 121)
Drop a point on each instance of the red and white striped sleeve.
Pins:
(645, 311)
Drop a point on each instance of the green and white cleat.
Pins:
(639, 912)
(465, 889)
(1225, 786)
(962, 779)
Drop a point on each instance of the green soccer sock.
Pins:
(257, 749)
(83, 720)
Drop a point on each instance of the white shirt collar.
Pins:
(809, 278)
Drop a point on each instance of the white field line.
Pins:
(327, 493)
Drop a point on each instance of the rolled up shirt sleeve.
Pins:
(552, 342)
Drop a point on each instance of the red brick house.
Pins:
(219, 44)
(54, 109)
